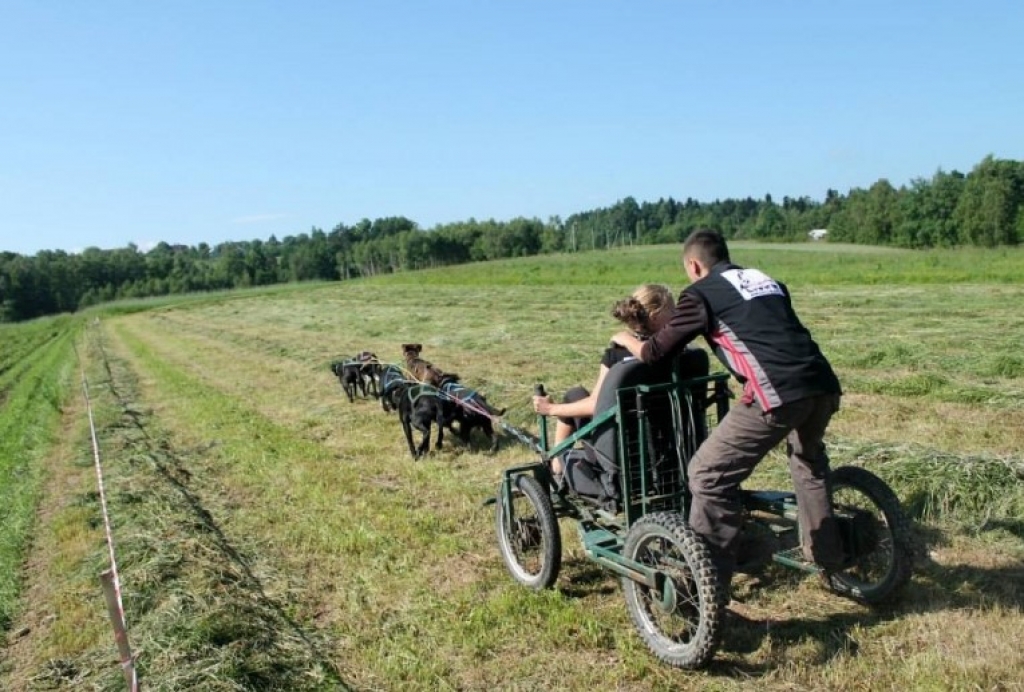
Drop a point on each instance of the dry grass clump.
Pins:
(968, 491)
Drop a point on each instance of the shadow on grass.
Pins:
(934, 588)
(1012, 526)
(830, 632)
(584, 578)
(941, 586)
(948, 587)
(828, 625)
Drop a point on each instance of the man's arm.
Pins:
(689, 321)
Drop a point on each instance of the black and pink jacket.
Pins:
(748, 319)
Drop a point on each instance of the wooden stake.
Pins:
(124, 649)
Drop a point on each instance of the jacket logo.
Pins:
(752, 283)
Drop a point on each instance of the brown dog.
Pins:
(419, 369)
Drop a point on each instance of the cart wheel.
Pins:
(680, 619)
(878, 536)
(532, 545)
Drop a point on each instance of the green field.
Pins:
(272, 535)
(35, 376)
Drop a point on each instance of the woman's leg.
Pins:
(567, 426)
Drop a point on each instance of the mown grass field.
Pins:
(35, 372)
(274, 536)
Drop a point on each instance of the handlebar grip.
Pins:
(538, 390)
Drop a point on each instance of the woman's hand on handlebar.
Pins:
(542, 405)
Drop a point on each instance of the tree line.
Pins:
(982, 208)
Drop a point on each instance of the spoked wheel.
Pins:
(680, 618)
(876, 535)
(531, 543)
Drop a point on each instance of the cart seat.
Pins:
(665, 445)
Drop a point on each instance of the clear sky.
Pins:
(189, 121)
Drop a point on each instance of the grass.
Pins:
(800, 264)
(275, 536)
(35, 376)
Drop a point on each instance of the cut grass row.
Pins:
(35, 387)
(19, 342)
(204, 610)
(60, 610)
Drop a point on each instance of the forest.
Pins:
(984, 207)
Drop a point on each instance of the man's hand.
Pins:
(628, 341)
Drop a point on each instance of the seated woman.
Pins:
(645, 311)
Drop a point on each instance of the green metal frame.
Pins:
(636, 501)
(603, 534)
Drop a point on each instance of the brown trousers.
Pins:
(728, 457)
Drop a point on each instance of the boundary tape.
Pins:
(110, 578)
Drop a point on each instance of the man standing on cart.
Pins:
(789, 392)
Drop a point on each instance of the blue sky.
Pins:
(198, 122)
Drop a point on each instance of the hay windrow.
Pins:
(967, 491)
(205, 611)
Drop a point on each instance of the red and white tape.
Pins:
(110, 578)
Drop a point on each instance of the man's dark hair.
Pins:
(706, 246)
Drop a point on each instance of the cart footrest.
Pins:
(794, 557)
(599, 538)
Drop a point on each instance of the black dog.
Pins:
(470, 409)
(419, 406)
(359, 373)
(349, 376)
(392, 380)
(369, 371)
